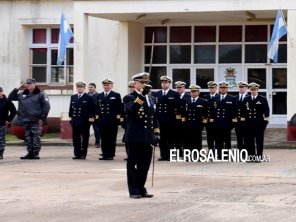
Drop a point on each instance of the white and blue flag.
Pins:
(64, 38)
(279, 30)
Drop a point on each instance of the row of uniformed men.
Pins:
(181, 117)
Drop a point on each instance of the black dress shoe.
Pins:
(106, 158)
(135, 196)
(146, 195)
(83, 158)
(75, 158)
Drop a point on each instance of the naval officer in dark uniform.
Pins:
(240, 126)
(82, 113)
(195, 114)
(167, 103)
(211, 97)
(180, 135)
(109, 113)
(257, 117)
(224, 113)
(141, 134)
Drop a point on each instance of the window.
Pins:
(43, 58)
(230, 54)
(181, 75)
(203, 76)
(156, 73)
(204, 54)
(258, 76)
(256, 54)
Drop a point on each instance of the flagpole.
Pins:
(283, 16)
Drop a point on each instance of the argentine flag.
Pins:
(279, 30)
(64, 38)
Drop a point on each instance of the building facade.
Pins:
(192, 41)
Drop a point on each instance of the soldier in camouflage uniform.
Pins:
(32, 111)
(7, 112)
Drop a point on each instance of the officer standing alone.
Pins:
(141, 134)
(82, 113)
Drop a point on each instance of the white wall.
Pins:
(16, 19)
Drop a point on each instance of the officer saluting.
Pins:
(195, 114)
(257, 116)
(240, 127)
(224, 109)
(141, 132)
(82, 113)
(167, 102)
(210, 97)
(180, 136)
(109, 110)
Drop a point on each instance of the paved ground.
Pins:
(57, 188)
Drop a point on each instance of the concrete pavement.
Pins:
(57, 188)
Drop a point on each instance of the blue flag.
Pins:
(279, 30)
(64, 38)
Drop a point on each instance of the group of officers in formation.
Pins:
(171, 118)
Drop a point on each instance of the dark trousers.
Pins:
(80, 136)
(240, 131)
(210, 137)
(96, 132)
(2, 137)
(108, 139)
(254, 136)
(33, 137)
(167, 139)
(138, 163)
(193, 139)
(180, 138)
(222, 139)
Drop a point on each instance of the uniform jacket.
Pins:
(109, 110)
(94, 96)
(210, 106)
(81, 111)
(224, 112)
(140, 120)
(181, 108)
(32, 106)
(167, 106)
(256, 111)
(7, 110)
(240, 105)
(195, 113)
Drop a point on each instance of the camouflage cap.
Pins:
(30, 81)
(165, 78)
(194, 88)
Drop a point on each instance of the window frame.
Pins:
(48, 84)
